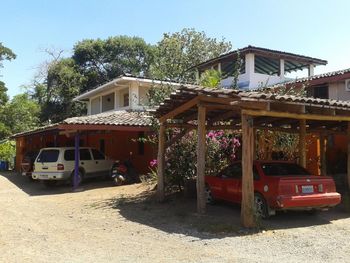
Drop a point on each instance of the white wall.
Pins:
(337, 91)
(252, 80)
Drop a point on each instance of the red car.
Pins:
(278, 185)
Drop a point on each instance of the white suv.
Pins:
(58, 164)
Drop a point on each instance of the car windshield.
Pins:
(48, 156)
(283, 169)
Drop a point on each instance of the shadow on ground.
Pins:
(178, 215)
(36, 188)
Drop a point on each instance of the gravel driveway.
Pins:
(124, 224)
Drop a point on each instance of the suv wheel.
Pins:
(80, 178)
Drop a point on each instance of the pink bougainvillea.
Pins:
(153, 163)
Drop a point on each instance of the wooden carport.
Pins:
(193, 107)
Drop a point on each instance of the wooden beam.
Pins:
(323, 149)
(247, 209)
(302, 143)
(348, 161)
(161, 163)
(305, 116)
(201, 148)
(292, 108)
(217, 100)
(255, 105)
(212, 106)
(187, 105)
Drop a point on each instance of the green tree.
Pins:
(5, 54)
(178, 52)
(210, 78)
(20, 114)
(7, 150)
(62, 86)
(103, 60)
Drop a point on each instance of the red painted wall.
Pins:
(118, 146)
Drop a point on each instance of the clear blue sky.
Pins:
(315, 28)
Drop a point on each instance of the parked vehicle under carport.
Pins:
(278, 185)
(58, 164)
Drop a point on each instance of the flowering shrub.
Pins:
(181, 156)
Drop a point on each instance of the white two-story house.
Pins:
(123, 93)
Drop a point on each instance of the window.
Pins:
(235, 171)
(97, 155)
(321, 92)
(69, 155)
(126, 99)
(85, 154)
(95, 106)
(108, 102)
(283, 169)
(48, 156)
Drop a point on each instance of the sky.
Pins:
(314, 28)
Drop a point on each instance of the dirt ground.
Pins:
(103, 223)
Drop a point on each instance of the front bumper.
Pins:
(312, 201)
(51, 175)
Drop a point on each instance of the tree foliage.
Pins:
(102, 60)
(63, 83)
(7, 151)
(210, 78)
(178, 52)
(5, 54)
(20, 114)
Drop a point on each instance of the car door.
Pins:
(256, 178)
(86, 162)
(232, 180)
(101, 164)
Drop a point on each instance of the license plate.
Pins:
(307, 189)
(43, 176)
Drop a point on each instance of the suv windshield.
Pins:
(48, 156)
(283, 169)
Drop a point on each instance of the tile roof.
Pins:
(185, 93)
(311, 78)
(118, 118)
(113, 118)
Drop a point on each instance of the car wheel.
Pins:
(208, 195)
(260, 205)
(80, 178)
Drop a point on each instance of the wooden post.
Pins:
(348, 164)
(302, 143)
(161, 163)
(323, 159)
(247, 209)
(201, 201)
